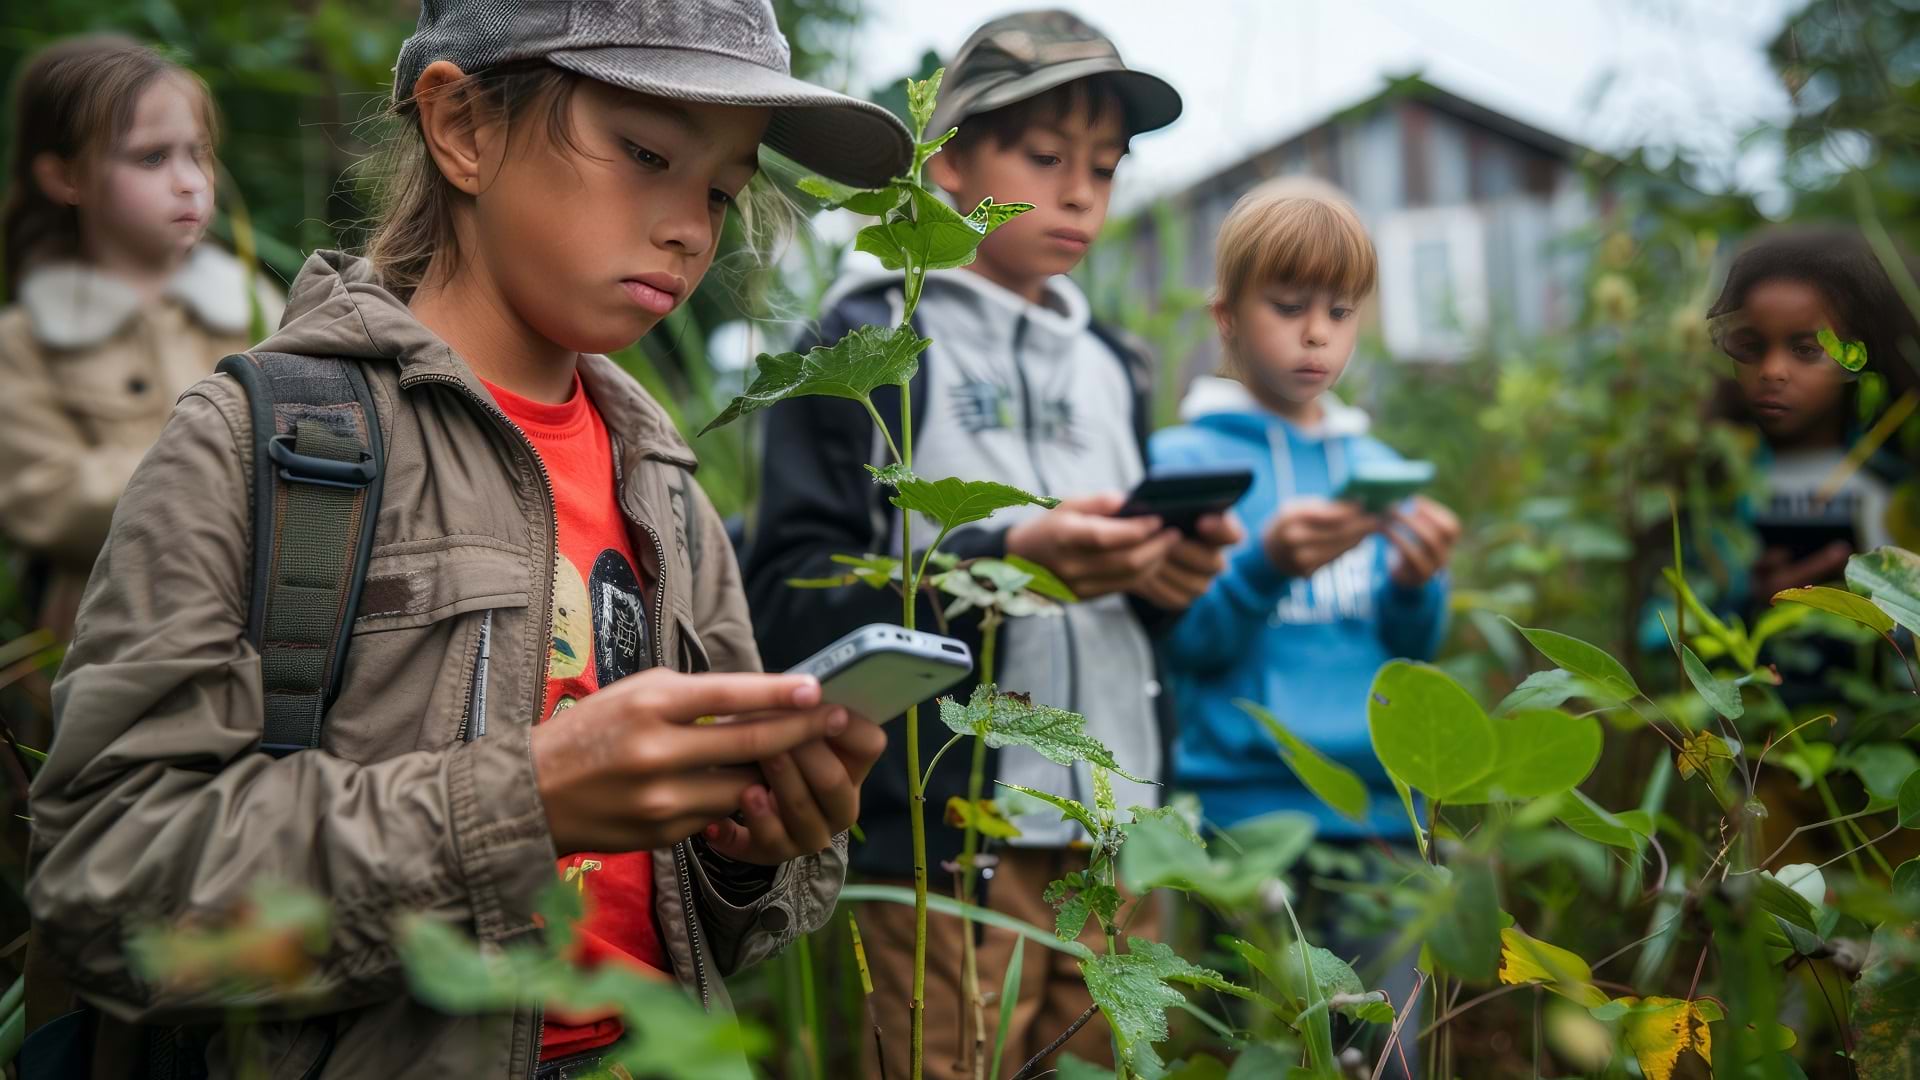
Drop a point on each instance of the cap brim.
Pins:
(1152, 102)
(842, 138)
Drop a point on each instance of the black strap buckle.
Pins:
(299, 468)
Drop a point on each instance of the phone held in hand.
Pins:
(880, 671)
(1379, 486)
(1180, 497)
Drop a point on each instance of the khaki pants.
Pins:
(1052, 993)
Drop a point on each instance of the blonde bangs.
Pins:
(1298, 232)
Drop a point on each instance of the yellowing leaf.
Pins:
(982, 816)
(1704, 752)
(1525, 960)
(1658, 1030)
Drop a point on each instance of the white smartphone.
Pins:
(880, 671)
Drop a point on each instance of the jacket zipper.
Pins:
(680, 856)
(1033, 459)
(544, 641)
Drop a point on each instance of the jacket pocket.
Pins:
(693, 653)
(108, 387)
(412, 659)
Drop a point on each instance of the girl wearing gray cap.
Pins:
(487, 601)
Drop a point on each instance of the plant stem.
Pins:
(970, 849)
(916, 793)
(881, 426)
(1052, 1047)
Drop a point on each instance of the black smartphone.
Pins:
(1182, 496)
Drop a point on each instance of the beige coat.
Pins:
(156, 805)
(88, 374)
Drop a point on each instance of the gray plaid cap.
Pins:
(1023, 55)
(727, 52)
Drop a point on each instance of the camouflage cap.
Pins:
(1019, 56)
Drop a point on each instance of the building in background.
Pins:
(1465, 205)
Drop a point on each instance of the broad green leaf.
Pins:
(1232, 872)
(983, 817)
(936, 237)
(1074, 909)
(1172, 815)
(1466, 939)
(1909, 802)
(1334, 784)
(954, 502)
(1808, 762)
(1882, 768)
(849, 368)
(1538, 752)
(1626, 829)
(1069, 809)
(1014, 720)
(1587, 661)
(921, 96)
(1886, 1004)
(1839, 602)
(1042, 580)
(1891, 577)
(1331, 975)
(1131, 988)
(1525, 959)
(1906, 881)
(1427, 730)
(873, 203)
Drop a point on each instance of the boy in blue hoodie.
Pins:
(1322, 593)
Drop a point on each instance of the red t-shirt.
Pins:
(600, 634)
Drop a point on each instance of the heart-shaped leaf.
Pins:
(1539, 752)
(1427, 730)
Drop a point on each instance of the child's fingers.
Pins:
(1093, 533)
(859, 747)
(799, 810)
(1414, 555)
(1432, 533)
(834, 789)
(683, 699)
(745, 739)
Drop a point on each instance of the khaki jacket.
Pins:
(90, 373)
(155, 805)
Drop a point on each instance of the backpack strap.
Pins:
(317, 458)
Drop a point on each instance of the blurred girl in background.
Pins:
(115, 305)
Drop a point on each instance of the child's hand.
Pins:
(1192, 564)
(812, 793)
(1311, 533)
(1092, 551)
(629, 769)
(1424, 533)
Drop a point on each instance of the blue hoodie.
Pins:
(1305, 648)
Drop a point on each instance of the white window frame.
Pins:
(1463, 231)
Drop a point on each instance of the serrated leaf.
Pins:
(852, 367)
(1171, 815)
(1538, 752)
(1427, 730)
(982, 816)
(892, 474)
(1078, 904)
(1070, 810)
(954, 502)
(1334, 784)
(1132, 988)
(1015, 720)
(1585, 660)
(1528, 960)
(1891, 578)
(1839, 602)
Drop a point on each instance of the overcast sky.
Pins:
(1610, 74)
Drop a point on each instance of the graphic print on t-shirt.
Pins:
(599, 627)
